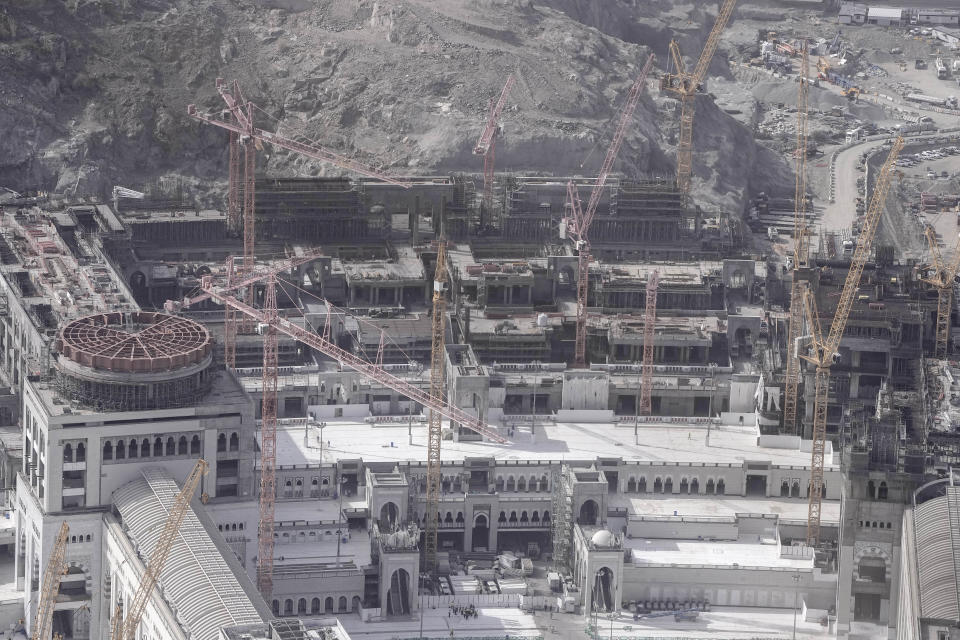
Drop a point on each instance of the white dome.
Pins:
(602, 538)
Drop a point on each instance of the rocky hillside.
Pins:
(95, 93)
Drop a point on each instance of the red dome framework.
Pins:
(135, 342)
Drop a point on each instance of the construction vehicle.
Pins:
(577, 226)
(50, 586)
(824, 350)
(942, 278)
(125, 627)
(685, 86)
(852, 94)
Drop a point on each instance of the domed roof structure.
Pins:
(603, 538)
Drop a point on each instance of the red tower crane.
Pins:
(578, 226)
(649, 324)
(244, 133)
(486, 144)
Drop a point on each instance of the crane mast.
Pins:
(649, 322)
(801, 251)
(581, 219)
(486, 144)
(50, 587)
(685, 86)
(825, 350)
(125, 628)
(435, 432)
(942, 279)
(268, 442)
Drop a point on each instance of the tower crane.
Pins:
(50, 587)
(685, 85)
(801, 249)
(649, 322)
(435, 431)
(824, 350)
(125, 628)
(578, 225)
(942, 279)
(486, 144)
(273, 324)
(244, 134)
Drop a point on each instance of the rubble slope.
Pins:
(95, 93)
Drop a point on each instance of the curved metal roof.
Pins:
(937, 527)
(196, 581)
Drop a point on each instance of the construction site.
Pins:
(686, 371)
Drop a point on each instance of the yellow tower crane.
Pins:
(824, 351)
(942, 278)
(685, 85)
(125, 628)
(801, 250)
(50, 587)
(435, 431)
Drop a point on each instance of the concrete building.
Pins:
(852, 13)
(885, 16)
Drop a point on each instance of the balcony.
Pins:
(523, 525)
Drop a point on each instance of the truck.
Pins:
(941, 69)
(925, 99)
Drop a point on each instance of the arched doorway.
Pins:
(603, 591)
(589, 512)
(389, 514)
(481, 532)
(398, 595)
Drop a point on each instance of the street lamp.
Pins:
(796, 593)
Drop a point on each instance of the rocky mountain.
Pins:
(95, 93)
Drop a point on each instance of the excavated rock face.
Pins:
(98, 96)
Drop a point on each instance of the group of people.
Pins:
(466, 612)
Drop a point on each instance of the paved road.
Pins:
(842, 212)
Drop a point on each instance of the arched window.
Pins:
(171, 446)
(695, 486)
(288, 607)
(785, 489)
(642, 485)
(328, 605)
(523, 517)
(302, 605)
(710, 487)
(544, 483)
(503, 517)
(182, 446)
(684, 485)
(342, 603)
(121, 450)
(521, 484)
(511, 484)
(721, 487)
(533, 484)
(81, 452)
(195, 444)
(67, 453)
(871, 490)
(107, 450)
(513, 516)
(315, 606)
(234, 441)
(882, 492)
(459, 517)
(89, 537)
(145, 448)
(133, 449)
(157, 447)
(535, 517)
(222, 442)
(449, 517)
(632, 485)
(795, 489)
(546, 517)
(500, 483)
(276, 607)
(668, 485)
(658, 486)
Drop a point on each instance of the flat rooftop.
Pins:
(553, 441)
(406, 266)
(744, 552)
(725, 506)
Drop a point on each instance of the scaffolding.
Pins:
(560, 506)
